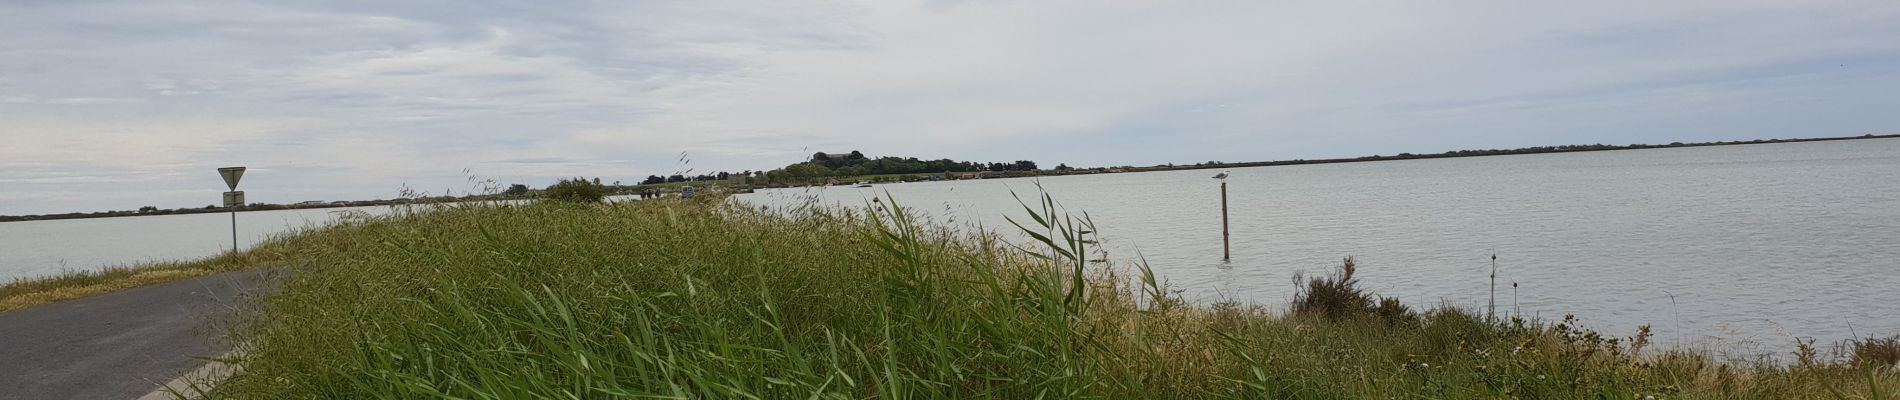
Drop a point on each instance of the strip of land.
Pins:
(791, 177)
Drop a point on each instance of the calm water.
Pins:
(40, 248)
(1735, 247)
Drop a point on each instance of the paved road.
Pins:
(120, 345)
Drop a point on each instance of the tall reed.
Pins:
(711, 299)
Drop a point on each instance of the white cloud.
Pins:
(139, 145)
(352, 101)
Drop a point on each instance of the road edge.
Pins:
(194, 384)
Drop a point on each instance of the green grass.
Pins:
(702, 299)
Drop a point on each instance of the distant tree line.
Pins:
(718, 176)
(856, 164)
(824, 165)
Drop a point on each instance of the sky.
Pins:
(117, 104)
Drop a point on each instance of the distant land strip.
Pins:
(1502, 152)
(1061, 170)
(204, 210)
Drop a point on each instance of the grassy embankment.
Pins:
(704, 300)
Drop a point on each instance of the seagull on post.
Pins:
(1221, 175)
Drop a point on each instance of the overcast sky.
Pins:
(120, 104)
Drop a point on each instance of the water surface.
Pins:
(1746, 245)
(41, 248)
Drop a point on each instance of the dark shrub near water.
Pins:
(1339, 297)
(576, 190)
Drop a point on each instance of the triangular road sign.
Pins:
(231, 175)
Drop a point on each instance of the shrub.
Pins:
(1391, 310)
(576, 190)
(1333, 296)
(1876, 352)
(1339, 297)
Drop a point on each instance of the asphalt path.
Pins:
(124, 344)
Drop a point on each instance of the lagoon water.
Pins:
(41, 248)
(1739, 248)
(1732, 247)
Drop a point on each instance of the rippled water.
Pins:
(1735, 247)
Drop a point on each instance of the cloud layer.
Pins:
(119, 104)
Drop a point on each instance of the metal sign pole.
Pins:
(233, 199)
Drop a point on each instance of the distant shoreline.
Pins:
(208, 210)
(1480, 153)
(885, 178)
(1012, 174)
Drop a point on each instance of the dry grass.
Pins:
(32, 292)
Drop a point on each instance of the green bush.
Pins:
(1339, 297)
(576, 190)
(1332, 296)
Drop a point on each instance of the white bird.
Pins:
(1221, 175)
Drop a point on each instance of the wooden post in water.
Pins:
(1226, 245)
